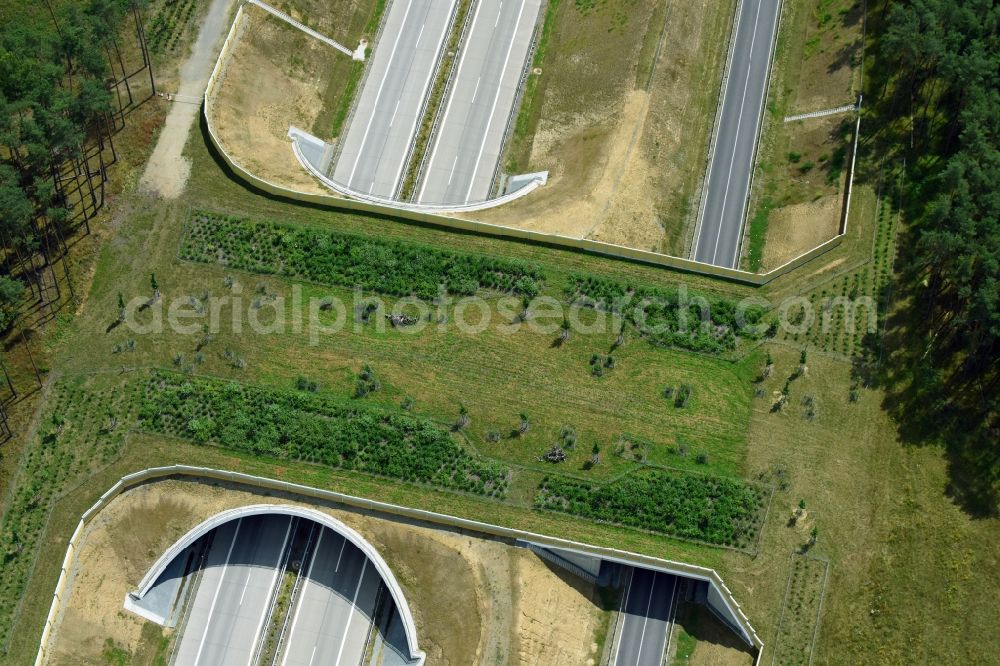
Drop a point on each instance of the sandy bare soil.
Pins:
(273, 78)
(626, 171)
(596, 182)
(475, 601)
(795, 229)
(624, 156)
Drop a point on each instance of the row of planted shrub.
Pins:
(329, 257)
(673, 317)
(316, 428)
(716, 510)
(666, 317)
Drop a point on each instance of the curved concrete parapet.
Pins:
(311, 153)
(416, 656)
(725, 603)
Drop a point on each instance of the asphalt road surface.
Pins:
(470, 138)
(720, 228)
(385, 119)
(333, 612)
(647, 613)
(229, 608)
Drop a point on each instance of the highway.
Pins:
(647, 613)
(731, 163)
(469, 140)
(385, 119)
(227, 614)
(334, 607)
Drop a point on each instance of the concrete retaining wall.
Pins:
(460, 224)
(725, 602)
(409, 626)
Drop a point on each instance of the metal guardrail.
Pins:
(821, 114)
(515, 109)
(307, 554)
(275, 591)
(338, 146)
(304, 28)
(445, 92)
(714, 137)
(392, 204)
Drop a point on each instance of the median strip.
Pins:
(418, 152)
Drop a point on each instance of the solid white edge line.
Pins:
(218, 588)
(736, 139)
(628, 593)
(496, 99)
(378, 94)
(672, 613)
(451, 98)
(336, 567)
(350, 614)
(274, 579)
(722, 102)
(645, 620)
(302, 593)
(760, 115)
(427, 83)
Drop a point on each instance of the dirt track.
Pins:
(167, 170)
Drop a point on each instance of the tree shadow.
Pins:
(847, 56)
(933, 403)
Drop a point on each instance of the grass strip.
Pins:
(448, 65)
(519, 146)
(354, 76)
(757, 235)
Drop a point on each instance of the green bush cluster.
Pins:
(315, 428)
(168, 24)
(668, 318)
(716, 510)
(83, 428)
(327, 257)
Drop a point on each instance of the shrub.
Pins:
(664, 319)
(11, 292)
(716, 510)
(328, 257)
(367, 383)
(316, 428)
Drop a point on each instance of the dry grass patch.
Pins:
(805, 161)
(621, 120)
(793, 229)
(274, 77)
